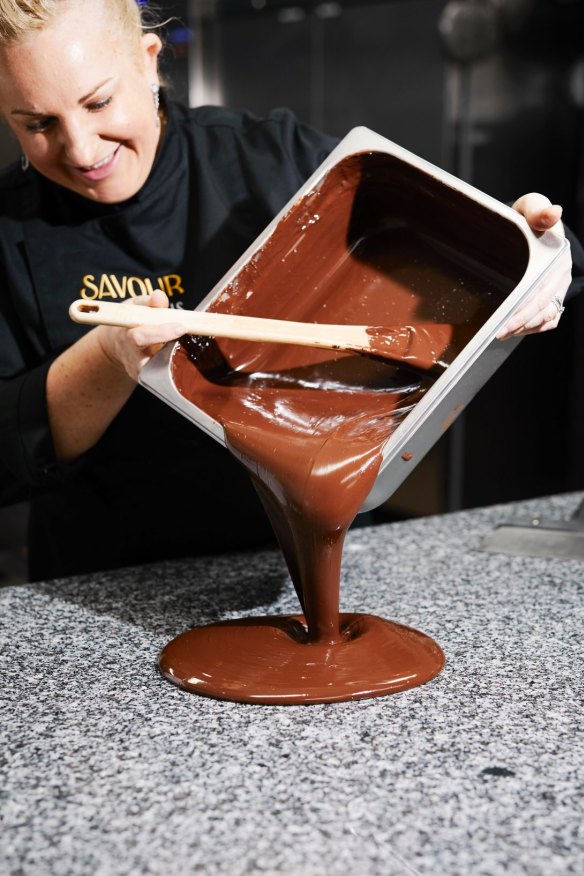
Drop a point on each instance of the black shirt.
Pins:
(154, 486)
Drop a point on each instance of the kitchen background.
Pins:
(492, 90)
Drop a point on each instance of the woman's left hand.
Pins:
(542, 312)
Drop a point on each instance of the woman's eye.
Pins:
(99, 105)
(43, 124)
(39, 126)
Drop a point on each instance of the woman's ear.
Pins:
(151, 47)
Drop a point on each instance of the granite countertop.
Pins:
(106, 768)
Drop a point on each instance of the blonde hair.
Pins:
(20, 18)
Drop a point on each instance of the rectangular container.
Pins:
(441, 231)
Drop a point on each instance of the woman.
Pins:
(119, 194)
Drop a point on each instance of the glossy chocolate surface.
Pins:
(376, 244)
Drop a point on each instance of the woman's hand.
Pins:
(131, 349)
(90, 382)
(542, 312)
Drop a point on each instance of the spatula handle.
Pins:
(224, 325)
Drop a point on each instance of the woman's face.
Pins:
(79, 100)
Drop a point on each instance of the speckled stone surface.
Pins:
(108, 769)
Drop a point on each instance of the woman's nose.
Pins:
(79, 142)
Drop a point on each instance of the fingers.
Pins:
(143, 342)
(534, 316)
(539, 211)
(158, 298)
(540, 313)
(527, 322)
(138, 345)
(132, 349)
(146, 336)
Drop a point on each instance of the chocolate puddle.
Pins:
(310, 425)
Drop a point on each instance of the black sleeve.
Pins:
(250, 167)
(577, 250)
(306, 147)
(28, 464)
(27, 457)
(26, 451)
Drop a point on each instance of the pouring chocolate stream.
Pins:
(310, 426)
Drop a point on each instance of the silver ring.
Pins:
(558, 302)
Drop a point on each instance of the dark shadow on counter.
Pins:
(169, 597)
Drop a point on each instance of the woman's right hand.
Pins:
(91, 381)
(131, 349)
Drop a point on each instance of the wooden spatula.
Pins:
(420, 345)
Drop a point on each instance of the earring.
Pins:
(156, 98)
(24, 163)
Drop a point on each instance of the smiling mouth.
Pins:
(99, 163)
(101, 168)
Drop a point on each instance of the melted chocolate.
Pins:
(420, 346)
(309, 425)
